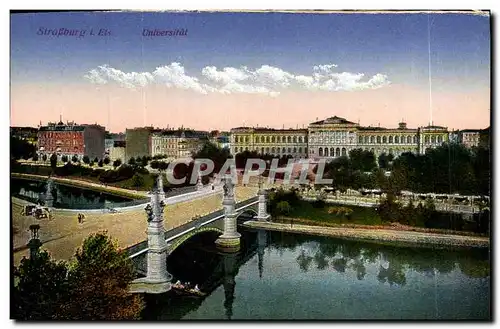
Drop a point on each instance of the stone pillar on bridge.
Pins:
(262, 214)
(158, 279)
(230, 240)
(49, 198)
(159, 184)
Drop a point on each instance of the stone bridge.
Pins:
(160, 243)
(245, 210)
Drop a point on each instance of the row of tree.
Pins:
(450, 168)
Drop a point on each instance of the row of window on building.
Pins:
(272, 139)
(398, 139)
(274, 150)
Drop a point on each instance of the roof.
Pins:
(434, 127)
(63, 128)
(372, 128)
(471, 130)
(334, 120)
(182, 133)
(264, 129)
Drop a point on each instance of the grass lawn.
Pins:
(360, 215)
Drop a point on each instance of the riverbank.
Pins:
(377, 234)
(133, 194)
(387, 226)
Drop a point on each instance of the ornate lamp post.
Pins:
(34, 243)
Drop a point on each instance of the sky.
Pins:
(228, 70)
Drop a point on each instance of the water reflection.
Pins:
(343, 255)
(274, 270)
(68, 197)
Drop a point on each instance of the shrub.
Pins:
(117, 163)
(53, 160)
(319, 204)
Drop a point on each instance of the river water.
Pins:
(68, 197)
(281, 276)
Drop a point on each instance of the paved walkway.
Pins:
(63, 234)
(376, 234)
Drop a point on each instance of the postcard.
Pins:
(250, 165)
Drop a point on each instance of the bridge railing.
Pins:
(141, 247)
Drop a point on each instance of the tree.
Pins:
(41, 285)
(21, 149)
(64, 158)
(35, 157)
(283, 208)
(163, 165)
(117, 163)
(74, 158)
(362, 160)
(131, 161)
(213, 152)
(100, 163)
(106, 161)
(99, 281)
(86, 159)
(144, 161)
(137, 180)
(96, 160)
(44, 157)
(383, 161)
(154, 164)
(91, 164)
(53, 160)
(388, 209)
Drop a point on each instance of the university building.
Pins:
(277, 142)
(335, 137)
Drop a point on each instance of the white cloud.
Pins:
(228, 80)
(174, 76)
